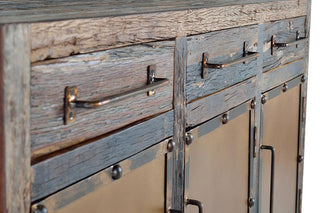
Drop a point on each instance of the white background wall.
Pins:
(311, 193)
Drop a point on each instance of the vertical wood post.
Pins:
(14, 118)
(179, 123)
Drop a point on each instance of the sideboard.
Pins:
(153, 106)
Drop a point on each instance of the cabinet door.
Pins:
(135, 185)
(280, 129)
(218, 163)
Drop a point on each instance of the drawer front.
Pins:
(139, 189)
(229, 48)
(284, 42)
(121, 75)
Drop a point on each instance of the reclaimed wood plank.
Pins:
(35, 10)
(286, 32)
(222, 47)
(60, 171)
(282, 74)
(208, 107)
(64, 38)
(97, 75)
(179, 122)
(14, 117)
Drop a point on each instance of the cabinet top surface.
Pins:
(15, 11)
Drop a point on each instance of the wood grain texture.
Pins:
(208, 107)
(14, 115)
(179, 123)
(97, 75)
(282, 74)
(285, 31)
(60, 171)
(64, 38)
(34, 10)
(222, 46)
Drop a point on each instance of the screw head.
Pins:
(189, 138)
(264, 99)
(225, 118)
(300, 158)
(39, 208)
(285, 88)
(303, 79)
(170, 146)
(253, 104)
(116, 172)
(71, 115)
(251, 202)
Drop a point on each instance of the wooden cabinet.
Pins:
(160, 106)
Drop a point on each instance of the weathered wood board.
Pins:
(64, 38)
(97, 75)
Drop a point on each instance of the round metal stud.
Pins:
(303, 79)
(170, 146)
(70, 115)
(39, 208)
(285, 88)
(300, 158)
(225, 118)
(251, 202)
(253, 104)
(189, 138)
(264, 99)
(116, 172)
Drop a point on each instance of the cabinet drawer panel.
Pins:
(222, 47)
(140, 188)
(284, 32)
(97, 75)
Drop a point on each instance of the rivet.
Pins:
(264, 99)
(170, 146)
(251, 202)
(303, 79)
(116, 172)
(225, 118)
(253, 104)
(189, 138)
(285, 88)
(300, 158)
(39, 208)
(70, 115)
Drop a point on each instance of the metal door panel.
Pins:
(281, 130)
(219, 166)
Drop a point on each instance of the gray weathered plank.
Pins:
(62, 170)
(179, 123)
(64, 38)
(206, 108)
(222, 46)
(33, 10)
(282, 74)
(14, 116)
(97, 75)
(285, 31)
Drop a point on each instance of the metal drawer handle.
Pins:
(298, 41)
(272, 150)
(195, 203)
(71, 101)
(247, 56)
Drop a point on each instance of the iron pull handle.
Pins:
(272, 150)
(298, 41)
(247, 56)
(195, 203)
(71, 101)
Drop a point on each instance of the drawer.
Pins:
(117, 79)
(284, 42)
(135, 185)
(231, 58)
